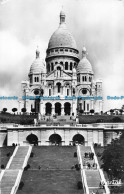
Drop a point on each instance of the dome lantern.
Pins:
(62, 17)
(37, 53)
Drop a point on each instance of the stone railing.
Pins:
(100, 172)
(83, 176)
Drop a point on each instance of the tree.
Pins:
(14, 110)
(92, 111)
(121, 111)
(81, 111)
(4, 110)
(111, 111)
(113, 159)
(23, 110)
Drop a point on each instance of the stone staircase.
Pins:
(93, 177)
(11, 173)
(18, 160)
(8, 181)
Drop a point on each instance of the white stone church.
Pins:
(63, 75)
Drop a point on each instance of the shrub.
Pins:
(75, 154)
(31, 155)
(2, 166)
(99, 154)
(21, 185)
(79, 185)
(117, 119)
(8, 154)
(27, 167)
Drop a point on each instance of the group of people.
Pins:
(89, 155)
(89, 165)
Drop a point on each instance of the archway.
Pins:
(78, 138)
(58, 108)
(48, 108)
(58, 87)
(67, 108)
(55, 139)
(32, 139)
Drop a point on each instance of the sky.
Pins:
(97, 24)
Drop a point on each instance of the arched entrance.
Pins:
(67, 108)
(78, 138)
(32, 139)
(55, 139)
(58, 108)
(48, 108)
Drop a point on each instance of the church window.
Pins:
(87, 107)
(70, 50)
(56, 50)
(59, 87)
(66, 50)
(67, 92)
(74, 64)
(70, 66)
(84, 91)
(84, 105)
(61, 49)
(66, 65)
(52, 67)
(48, 68)
(61, 63)
(89, 79)
(85, 79)
(49, 92)
(35, 79)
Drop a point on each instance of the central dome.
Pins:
(62, 37)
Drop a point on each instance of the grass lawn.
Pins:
(3, 154)
(55, 175)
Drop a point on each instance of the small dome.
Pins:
(84, 65)
(38, 66)
(62, 37)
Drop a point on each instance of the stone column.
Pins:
(53, 111)
(62, 110)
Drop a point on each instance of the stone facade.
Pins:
(63, 74)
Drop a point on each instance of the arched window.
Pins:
(67, 92)
(70, 66)
(35, 79)
(85, 78)
(89, 79)
(61, 62)
(52, 67)
(66, 65)
(75, 65)
(49, 92)
(58, 71)
(58, 87)
(48, 68)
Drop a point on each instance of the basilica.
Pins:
(62, 75)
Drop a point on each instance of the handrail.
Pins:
(100, 171)
(11, 158)
(83, 176)
(15, 187)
